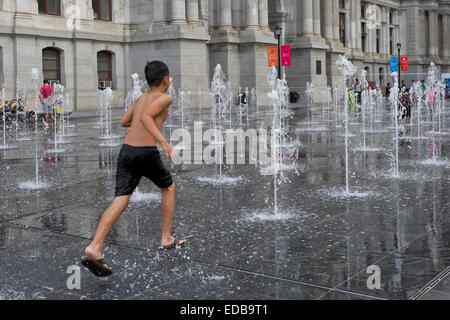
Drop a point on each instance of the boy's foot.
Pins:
(95, 263)
(97, 267)
(172, 245)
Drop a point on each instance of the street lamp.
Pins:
(278, 31)
(399, 48)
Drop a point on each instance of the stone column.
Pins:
(263, 14)
(328, 19)
(251, 14)
(316, 17)
(204, 13)
(432, 32)
(445, 38)
(348, 28)
(358, 24)
(192, 10)
(158, 11)
(386, 31)
(225, 21)
(335, 19)
(307, 17)
(236, 13)
(213, 14)
(178, 12)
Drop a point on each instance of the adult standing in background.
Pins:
(45, 93)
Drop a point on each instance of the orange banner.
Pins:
(272, 53)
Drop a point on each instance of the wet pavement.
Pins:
(319, 247)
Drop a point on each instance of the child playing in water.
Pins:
(139, 158)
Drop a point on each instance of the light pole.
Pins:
(278, 31)
(399, 48)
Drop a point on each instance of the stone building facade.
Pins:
(86, 44)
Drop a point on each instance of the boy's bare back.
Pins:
(151, 105)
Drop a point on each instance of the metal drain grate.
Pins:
(430, 285)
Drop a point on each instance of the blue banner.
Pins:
(394, 64)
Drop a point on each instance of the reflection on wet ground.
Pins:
(320, 249)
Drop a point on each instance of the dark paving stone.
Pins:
(436, 295)
(285, 290)
(401, 276)
(210, 282)
(339, 295)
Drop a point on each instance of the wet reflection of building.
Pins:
(434, 228)
(107, 160)
(54, 222)
(3, 235)
(401, 241)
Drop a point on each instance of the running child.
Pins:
(139, 157)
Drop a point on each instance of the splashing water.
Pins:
(105, 97)
(139, 196)
(347, 70)
(393, 99)
(278, 96)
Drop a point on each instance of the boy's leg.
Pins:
(167, 208)
(109, 218)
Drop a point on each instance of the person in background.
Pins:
(358, 90)
(45, 92)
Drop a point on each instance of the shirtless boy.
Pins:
(139, 158)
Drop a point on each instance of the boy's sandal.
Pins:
(97, 267)
(173, 245)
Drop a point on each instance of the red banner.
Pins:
(286, 56)
(404, 63)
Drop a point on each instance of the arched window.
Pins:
(104, 70)
(381, 75)
(102, 9)
(51, 65)
(49, 7)
(342, 27)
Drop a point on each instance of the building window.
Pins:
(381, 75)
(378, 41)
(318, 67)
(102, 9)
(51, 65)
(391, 17)
(363, 10)
(342, 27)
(104, 70)
(52, 7)
(363, 36)
(391, 41)
(342, 4)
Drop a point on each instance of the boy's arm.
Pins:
(148, 120)
(127, 118)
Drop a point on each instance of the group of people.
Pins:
(48, 109)
(407, 98)
(16, 105)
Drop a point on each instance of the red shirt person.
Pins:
(46, 91)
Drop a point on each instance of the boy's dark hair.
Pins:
(155, 72)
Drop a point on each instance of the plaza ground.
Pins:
(234, 251)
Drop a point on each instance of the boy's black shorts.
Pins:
(137, 162)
